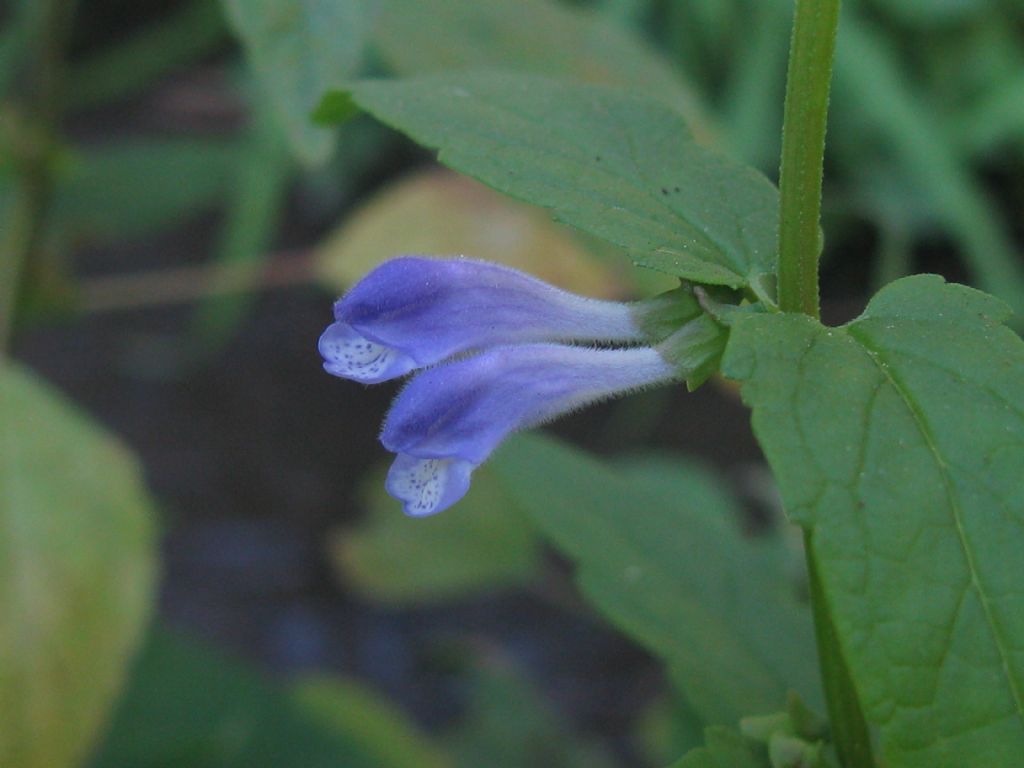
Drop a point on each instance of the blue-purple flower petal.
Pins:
(350, 355)
(491, 328)
(426, 486)
(449, 419)
(414, 312)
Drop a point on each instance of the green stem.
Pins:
(803, 149)
(35, 146)
(850, 732)
(19, 234)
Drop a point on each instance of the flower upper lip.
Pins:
(428, 310)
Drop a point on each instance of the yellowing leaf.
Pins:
(76, 574)
(440, 213)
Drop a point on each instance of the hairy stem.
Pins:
(800, 178)
(803, 149)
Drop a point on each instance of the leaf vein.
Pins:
(925, 430)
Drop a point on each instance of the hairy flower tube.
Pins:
(449, 419)
(484, 324)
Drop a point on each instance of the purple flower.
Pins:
(449, 419)
(411, 312)
(414, 312)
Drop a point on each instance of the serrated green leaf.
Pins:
(613, 164)
(660, 553)
(540, 37)
(300, 49)
(77, 570)
(484, 543)
(898, 439)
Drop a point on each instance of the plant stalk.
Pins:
(850, 732)
(800, 181)
(35, 145)
(803, 150)
(20, 231)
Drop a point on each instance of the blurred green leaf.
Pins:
(668, 728)
(77, 571)
(659, 551)
(998, 118)
(626, 13)
(484, 542)
(132, 188)
(912, 491)
(753, 95)
(725, 748)
(189, 705)
(922, 12)
(869, 81)
(257, 195)
(529, 36)
(895, 256)
(186, 34)
(365, 718)
(612, 164)
(300, 49)
(509, 725)
(24, 22)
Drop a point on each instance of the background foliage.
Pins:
(184, 226)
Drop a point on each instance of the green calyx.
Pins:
(689, 327)
(695, 349)
(661, 316)
(795, 738)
